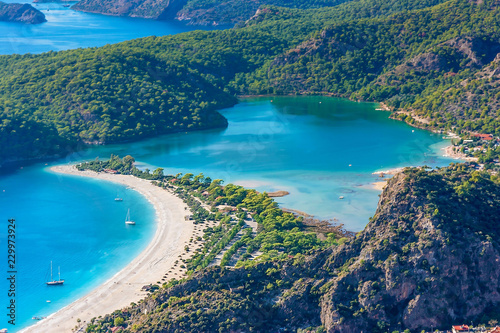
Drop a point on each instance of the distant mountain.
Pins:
(16, 12)
(47, 1)
(199, 12)
(427, 259)
(213, 12)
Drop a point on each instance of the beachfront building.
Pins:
(460, 328)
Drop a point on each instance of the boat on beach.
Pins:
(53, 282)
(127, 219)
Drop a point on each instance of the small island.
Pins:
(17, 12)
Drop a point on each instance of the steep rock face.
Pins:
(478, 51)
(48, 1)
(16, 12)
(430, 257)
(153, 9)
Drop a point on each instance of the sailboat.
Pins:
(118, 198)
(53, 282)
(127, 219)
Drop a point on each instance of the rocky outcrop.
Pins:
(478, 51)
(194, 12)
(49, 1)
(429, 257)
(16, 12)
(152, 9)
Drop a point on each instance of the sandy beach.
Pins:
(391, 172)
(451, 151)
(379, 186)
(152, 264)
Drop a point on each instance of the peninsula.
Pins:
(215, 230)
(24, 13)
(427, 259)
(257, 264)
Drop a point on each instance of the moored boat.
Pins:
(53, 282)
(127, 219)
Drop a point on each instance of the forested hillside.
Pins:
(53, 102)
(427, 259)
(213, 12)
(438, 62)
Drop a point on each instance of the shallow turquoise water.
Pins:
(74, 222)
(317, 148)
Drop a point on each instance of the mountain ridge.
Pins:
(151, 9)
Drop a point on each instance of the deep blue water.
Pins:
(69, 29)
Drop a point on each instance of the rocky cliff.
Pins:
(429, 257)
(48, 1)
(152, 9)
(16, 12)
(195, 12)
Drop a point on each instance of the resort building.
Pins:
(460, 328)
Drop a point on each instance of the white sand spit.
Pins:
(172, 233)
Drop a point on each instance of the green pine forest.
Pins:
(435, 59)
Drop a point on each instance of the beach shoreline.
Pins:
(149, 267)
(450, 151)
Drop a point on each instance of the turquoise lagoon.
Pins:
(317, 148)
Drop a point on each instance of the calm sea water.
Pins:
(73, 222)
(316, 148)
(69, 29)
